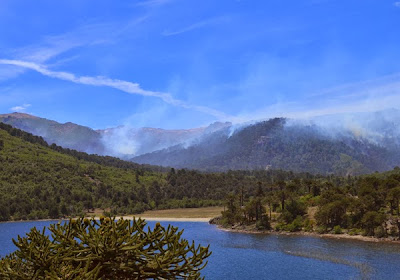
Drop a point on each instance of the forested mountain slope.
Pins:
(42, 181)
(350, 144)
(275, 145)
(37, 181)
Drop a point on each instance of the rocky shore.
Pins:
(251, 229)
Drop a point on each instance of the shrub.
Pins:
(393, 231)
(309, 225)
(322, 229)
(296, 225)
(337, 230)
(280, 227)
(263, 223)
(355, 231)
(105, 249)
(380, 232)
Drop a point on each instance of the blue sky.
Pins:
(185, 63)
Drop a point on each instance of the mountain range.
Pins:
(68, 135)
(347, 144)
(120, 141)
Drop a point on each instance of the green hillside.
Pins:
(39, 182)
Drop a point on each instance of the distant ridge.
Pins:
(280, 144)
(121, 141)
(17, 115)
(68, 135)
(353, 144)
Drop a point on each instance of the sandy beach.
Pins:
(203, 214)
(180, 215)
(170, 219)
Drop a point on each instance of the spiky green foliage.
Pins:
(104, 249)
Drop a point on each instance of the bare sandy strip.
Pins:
(181, 215)
(171, 219)
(203, 214)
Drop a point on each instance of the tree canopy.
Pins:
(104, 249)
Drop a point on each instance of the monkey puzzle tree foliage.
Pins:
(105, 249)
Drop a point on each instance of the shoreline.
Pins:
(130, 217)
(202, 214)
(35, 220)
(342, 236)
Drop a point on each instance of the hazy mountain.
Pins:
(341, 144)
(121, 141)
(68, 135)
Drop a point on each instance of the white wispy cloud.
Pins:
(20, 108)
(125, 86)
(193, 26)
(53, 46)
(397, 4)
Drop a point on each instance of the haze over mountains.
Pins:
(120, 141)
(127, 141)
(347, 144)
(67, 135)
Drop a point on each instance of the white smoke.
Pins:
(380, 128)
(118, 142)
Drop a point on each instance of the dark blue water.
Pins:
(252, 256)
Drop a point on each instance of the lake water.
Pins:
(252, 256)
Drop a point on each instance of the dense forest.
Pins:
(38, 180)
(367, 205)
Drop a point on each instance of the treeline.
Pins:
(367, 205)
